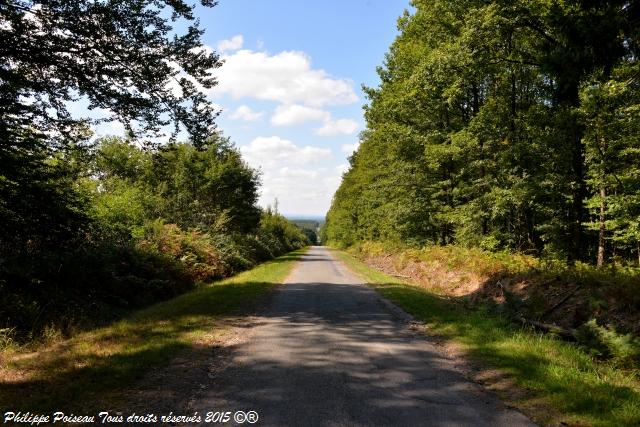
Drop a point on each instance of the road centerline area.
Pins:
(327, 352)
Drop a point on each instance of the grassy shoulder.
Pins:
(554, 374)
(91, 367)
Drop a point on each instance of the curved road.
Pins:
(328, 352)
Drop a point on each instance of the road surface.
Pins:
(328, 352)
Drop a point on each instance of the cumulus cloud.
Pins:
(286, 115)
(294, 174)
(274, 151)
(246, 114)
(229, 45)
(286, 77)
(334, 177)
(336, 127)
(297, 173)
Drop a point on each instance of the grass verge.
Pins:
(82, 372)
(553, 373)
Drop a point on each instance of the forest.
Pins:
(505, 126)
(481, 255)
(91, 228)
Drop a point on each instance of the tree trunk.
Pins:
(579, 190)
(603, 227)
(476, 109)
(603, 199)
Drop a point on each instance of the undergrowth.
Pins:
(80, 287)
(600, 307)
(94, 368)
(561, 382)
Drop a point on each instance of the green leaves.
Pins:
(187, 186)
(124, 57)
(477, 135)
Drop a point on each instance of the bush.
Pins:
(280, 234)
(150, 224)
(88, 285)
(102, 277)
(196, 251)
(605, 343)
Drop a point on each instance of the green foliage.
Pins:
(89, 370)
(93, 228)
(39, 201)
(90, 228)
(310, 228)
(563, 383)
(311, 235)
(194, 250)
(120, 57)
(605, 343)
(280, 233)
(487, 130)
(155, 222)
(73, 288)
(209, 188)
(6, 338)
(142, 60)
(612, 115)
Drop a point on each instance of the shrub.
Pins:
(195, 250)
(605, 343)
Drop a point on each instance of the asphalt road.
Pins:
(328, 352)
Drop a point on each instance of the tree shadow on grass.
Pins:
(76, 373)
(551, 370)
(79, 373)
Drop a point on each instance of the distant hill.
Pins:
(294, 218)
(306, 223)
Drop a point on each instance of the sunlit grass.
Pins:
(555, 373)
(75, 373)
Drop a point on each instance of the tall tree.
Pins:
(575, 38)
(124, 57)
(487, 129)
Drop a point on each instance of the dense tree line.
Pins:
(150, 224)
(90, 228)
(310, 228)
(503, 124)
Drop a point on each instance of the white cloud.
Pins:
(245, 113)
(348, 149)
(113, 128)
(336, 127)
(342, 168)
(297, 173)
(286, 115)
(293, 174)
(234, 43)
(274, 151)
(286, 77)
(332, 180)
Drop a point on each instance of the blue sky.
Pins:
(290, 88)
